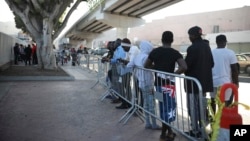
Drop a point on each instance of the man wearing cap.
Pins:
(200, 62)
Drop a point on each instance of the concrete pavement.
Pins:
(65, 111)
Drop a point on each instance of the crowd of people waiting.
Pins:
(25, 54)
(199, 63)
(73, 55)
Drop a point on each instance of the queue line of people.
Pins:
(198, 63)
(26, 54)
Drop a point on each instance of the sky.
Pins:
(181, 8)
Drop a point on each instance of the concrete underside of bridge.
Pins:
(111, 14)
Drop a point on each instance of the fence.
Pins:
(127, 84)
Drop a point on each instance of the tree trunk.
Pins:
(46, 56)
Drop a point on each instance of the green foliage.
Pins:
(20, 24)
(94, 3)
(33, 12)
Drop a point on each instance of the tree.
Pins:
(42, 20)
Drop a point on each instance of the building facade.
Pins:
(234, 23)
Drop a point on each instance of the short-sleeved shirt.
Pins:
(164, 59)
(222, 67)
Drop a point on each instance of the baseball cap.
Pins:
(196, 31)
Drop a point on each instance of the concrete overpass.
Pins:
(108, 14)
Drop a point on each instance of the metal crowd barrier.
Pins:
(102, 73)
(93, 64)
(90, 62)
(170, 96)
(123, 83)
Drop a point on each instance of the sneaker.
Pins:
(114, 101)
(156, 127)
(193, 133)
(122, 106)
(163, 137)
(171, 137)
(109, 97)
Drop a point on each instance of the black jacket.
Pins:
(200, 62)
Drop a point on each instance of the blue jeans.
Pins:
(149, 105)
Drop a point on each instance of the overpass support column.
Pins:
(89, 43)
(121, 32)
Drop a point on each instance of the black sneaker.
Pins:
(109, 97)
(122, 106)
(114, 101)
(196, 134)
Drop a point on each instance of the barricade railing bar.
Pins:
(172, 94)
(102, 73)
(90, 62)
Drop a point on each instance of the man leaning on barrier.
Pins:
(118, 80)
(106, 58)
(125, 73)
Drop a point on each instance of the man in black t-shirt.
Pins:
(164, 59)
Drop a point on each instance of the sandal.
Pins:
(171, 137)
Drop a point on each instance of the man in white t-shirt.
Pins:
(225, 68)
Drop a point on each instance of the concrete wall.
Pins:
(6, 50)
(232, 22)
(238, 41)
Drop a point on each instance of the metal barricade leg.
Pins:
(130, 97)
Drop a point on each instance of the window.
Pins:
(216, 29)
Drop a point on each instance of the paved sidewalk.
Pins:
(65, 111)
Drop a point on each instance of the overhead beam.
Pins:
(119, 20)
